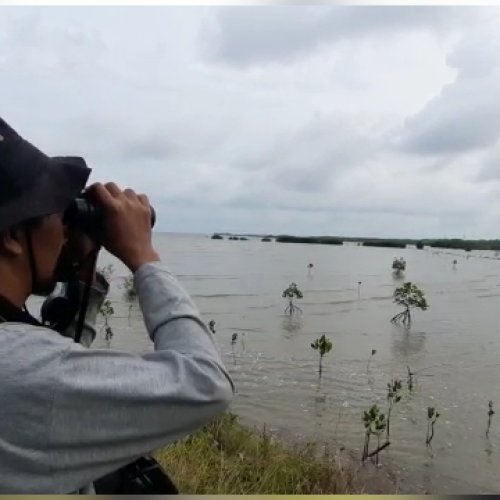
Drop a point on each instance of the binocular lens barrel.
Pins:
(88, 217)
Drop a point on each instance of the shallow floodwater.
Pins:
(453, 347)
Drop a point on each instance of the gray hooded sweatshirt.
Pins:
(71, 414)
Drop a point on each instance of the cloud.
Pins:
(253, 35)
(465, 116)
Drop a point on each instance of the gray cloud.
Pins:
(465, 116)
(247, 35)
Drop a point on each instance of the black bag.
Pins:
(142, 477)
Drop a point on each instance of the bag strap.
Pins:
(11, 313)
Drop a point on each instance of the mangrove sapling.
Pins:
(374, 351)
(211, 326)
(409, 296)
(106, 312)
(234, 338)
(432, 416)
(106, 271)
(375, 424)
(290, 294)
(398, 266)
(409, 380)
(491, 412)
(394, 388)
(323, 346)
(130, 291)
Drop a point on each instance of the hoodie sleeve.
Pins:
(110, 407)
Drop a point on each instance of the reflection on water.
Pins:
(291, 324)
(406, 343)
(453, 348)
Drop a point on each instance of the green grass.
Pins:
(228, 458)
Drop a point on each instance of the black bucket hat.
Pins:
(33, 184)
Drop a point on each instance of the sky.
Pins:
(307, 120)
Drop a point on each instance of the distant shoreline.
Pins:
(449, 243)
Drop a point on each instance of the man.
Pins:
(70, 414)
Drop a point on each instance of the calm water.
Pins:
(454, 347)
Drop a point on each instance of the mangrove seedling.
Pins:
(375, 424)
(106, 312)
(394, 388)
(409, 380)
(374, 351)
(410, 297)
(291, 293)
(323, 346)
(211, 326)
(130, 291)
(398, 265)
(234, 338)
(432, 416)
(309, 269)
(106, 271)
(491, 412)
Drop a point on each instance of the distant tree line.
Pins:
(452, 243)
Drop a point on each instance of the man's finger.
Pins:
(101, 195)
(113, 189)
(144, 200)
(129, 193)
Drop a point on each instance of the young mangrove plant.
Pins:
(291, 293)
(130, 293)
(394, 389)
(106, 271)
(398, 266)
(432, 416)
(323, 346)
(375, 424)
(409, 380)
(491, 412)
(374, 351)
(410, 297)
(234, 338)
(106, 312)
(211, 326)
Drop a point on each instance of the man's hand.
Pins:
(127, 224)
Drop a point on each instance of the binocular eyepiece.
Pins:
(88, 217)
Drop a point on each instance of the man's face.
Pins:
(48, 239)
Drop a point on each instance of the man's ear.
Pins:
(10, 242)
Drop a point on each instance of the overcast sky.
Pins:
(334, 120)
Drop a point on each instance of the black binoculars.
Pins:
(88, 217)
